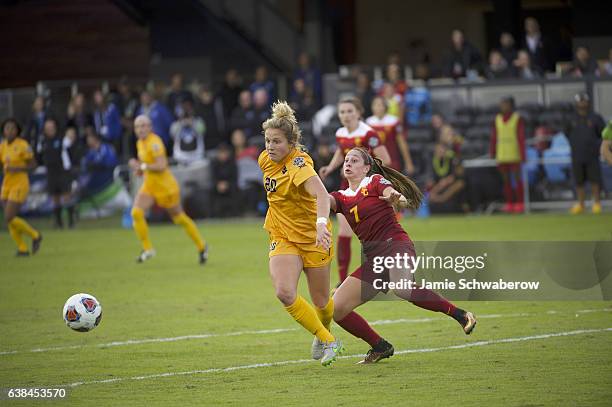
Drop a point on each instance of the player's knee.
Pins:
(340, 311)
(137, 213)
(178, 219)
(285, 295)
(320, 301)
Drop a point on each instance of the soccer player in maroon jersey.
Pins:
(391, 133)
(368, 205)
(354, 133)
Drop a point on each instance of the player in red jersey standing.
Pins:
(391, 133)
(354, 133)
(368, 204)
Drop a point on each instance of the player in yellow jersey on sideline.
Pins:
(17, 159)
(159, 186)
(300, 232)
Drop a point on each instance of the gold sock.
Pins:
(326, 314)
(16, 235)
(24, 227)
(190, 228)
(306, 316)
(141, 228)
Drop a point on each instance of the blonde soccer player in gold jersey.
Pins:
(17, 159)
(300, 233)
(159, 186)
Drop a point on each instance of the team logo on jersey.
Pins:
(284, 171)
(374, 142)
(299, 162)
(358, 141)
(364, 191)
(384, 181)
(272, 246)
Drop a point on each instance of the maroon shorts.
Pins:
(370, 269)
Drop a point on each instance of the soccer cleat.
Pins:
(469, 323)
(577, 209)
(596, 209)
(331, 351)
(317, 349)
(145, 255)
(203, 255)
(36, 243)
(22, 254)
(518, 207)
(374, 356)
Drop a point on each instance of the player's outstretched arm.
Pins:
(335, 162)
(394, 198)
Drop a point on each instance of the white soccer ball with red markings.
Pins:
(82, 312)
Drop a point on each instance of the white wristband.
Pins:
(143, 166)
(322, 221)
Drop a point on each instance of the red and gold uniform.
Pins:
(364, 136)
(16, 185)
(161, 185)
(292, 213)
(388, 129)
(374, 222)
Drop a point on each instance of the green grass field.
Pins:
(229, 341)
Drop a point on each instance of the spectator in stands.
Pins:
(584, 133)
(260, 110)
(34, 129)
(498, 67)
(107, 119)
(508, 149)
(56, 159)
(311, 75)
(449, 137)
(394, 77)
(229, 93)
(422, 71)
(127, 102)
(446, 183)
(243, 115)
(158, 113)
(364, 92)
(302, 101)
(507, 47)
(78, 117)
(323, 155)
(537, 46)
(188, 134)
(394, 101)
(607, 68)
(97, 165)
(437, 121)
(210, 112)
(523, 67)
(463, 57)
(263, 82)
(583, 64)
(225, 181)
(177, 94)
(249, 173)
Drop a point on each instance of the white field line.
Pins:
(304, 361)
(271, 331)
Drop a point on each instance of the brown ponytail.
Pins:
(399, 181)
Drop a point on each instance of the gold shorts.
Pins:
(163, 198)
(311, 255)
(15, 193)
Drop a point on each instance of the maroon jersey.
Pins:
(372, 219)
(388, 128)
(364, 136)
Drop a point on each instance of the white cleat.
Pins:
(317, 348)
(145, 255)
(470, 323)
(331, 351)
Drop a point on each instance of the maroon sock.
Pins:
(519, 190)
(354, 324)
(430, 300)
(344, 256)
(508, 191)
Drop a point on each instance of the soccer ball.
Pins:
(82, 312)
